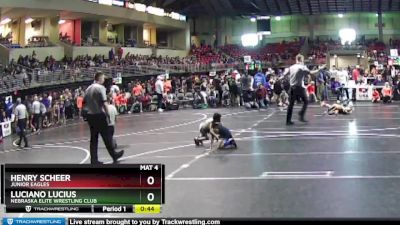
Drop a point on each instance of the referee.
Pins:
(96, 106)
(21, 115)
(297, 74)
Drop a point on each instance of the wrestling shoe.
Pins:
(196, 142)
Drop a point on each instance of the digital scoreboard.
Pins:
(72, 188)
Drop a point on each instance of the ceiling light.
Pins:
(61, 21)
(29, 20)
(340, 15)
(140, 7)
(155, 11)
(5, 21)
(278, 18)
(253, 19)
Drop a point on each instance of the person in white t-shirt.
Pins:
(343, 79)
(112, 112)
(114, 89)
(160, 92)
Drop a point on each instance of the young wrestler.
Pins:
(221, 134)
(204, 131)
(336, 109)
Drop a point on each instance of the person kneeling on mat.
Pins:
(221, 134)
(336, 109)
(204, 131)
(250, 101)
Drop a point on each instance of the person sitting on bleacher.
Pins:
(387, 93)
(137, 105)
(171, 101)
(146, 101)
(123, 103)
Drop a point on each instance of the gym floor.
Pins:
(334, 166)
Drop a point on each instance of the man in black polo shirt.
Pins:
(297, 74)
(96, 106)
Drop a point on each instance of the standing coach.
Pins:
(96, 107)
(297, 74)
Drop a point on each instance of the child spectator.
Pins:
(311, 92)
(112, 119)
(79, 104)
(376, 97)
(261, 94)
(387, 93)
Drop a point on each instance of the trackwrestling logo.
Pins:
(33, 221)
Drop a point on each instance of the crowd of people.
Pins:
(233, 88)
(225, 89)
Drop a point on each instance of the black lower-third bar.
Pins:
(170, 221)
(49, 209)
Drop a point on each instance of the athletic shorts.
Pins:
(228, 142)
(204, 131)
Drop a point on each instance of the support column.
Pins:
(77, 32)
(121, 33)
(217, 33)
(311, 26)
(139, 33)
(153, 35)
(21, 35)
(380, 26)
(103, 32)
(51, 29)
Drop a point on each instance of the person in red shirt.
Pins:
(137, 90)
(356, 74)
(116, 99)
(387, 93)
(79, 104)
(311, 92)
(146, 101)
(123, 103)
(120, 53)
(376, 97)
(167, 86)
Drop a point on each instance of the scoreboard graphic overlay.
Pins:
(69, 188)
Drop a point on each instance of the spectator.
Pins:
(114, 89)
(387, 93)
(111, 123)
(311, 92)
(36, 114)
(356, 74)
(376, 97)
(160, 92)
(137, 90)
(261, 94)
(79, 104)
